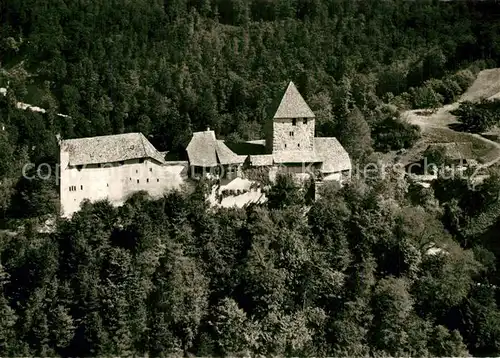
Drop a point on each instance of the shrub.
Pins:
(260, 175)
(394, 134)
(436, 155)
(464, 79)
(402, 102)
(478, 117)
(448, 89)
(425, 97)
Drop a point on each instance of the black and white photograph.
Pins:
(249, 178)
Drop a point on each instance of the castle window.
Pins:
(285, 145)
(291, 134)
(151, 170)
(298, 144)
(137, 181)
(294, 122)
(157, 180)
(136, 171)
(81, 187)
(107, 185)
(305, 120)
(147, 180)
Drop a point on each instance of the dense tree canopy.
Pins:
(168, 68)
(352, 275)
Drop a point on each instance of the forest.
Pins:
(381, 267)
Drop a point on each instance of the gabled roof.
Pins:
(333, 155)
(204, 150)
(110, 149)
(201, 149)
(295, 156)
(226, 155)
(261, 160)
(292, 105)
(455, 151)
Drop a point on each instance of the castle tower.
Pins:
(292, 127)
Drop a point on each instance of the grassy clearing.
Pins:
(483, 150)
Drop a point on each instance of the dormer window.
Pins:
(294, 122)
(305, 121)
(79, 167)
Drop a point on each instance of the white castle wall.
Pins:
(115, 182)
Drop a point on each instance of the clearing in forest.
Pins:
(437, 127)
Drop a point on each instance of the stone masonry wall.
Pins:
(302, 138)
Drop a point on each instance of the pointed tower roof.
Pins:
(292, 105)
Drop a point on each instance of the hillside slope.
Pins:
(486, 85)
(436, 127)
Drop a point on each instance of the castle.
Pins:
(115, 166)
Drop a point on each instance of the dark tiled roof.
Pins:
(296, 156)
(333, 155)
(204, 150)
(292, 105)
(110, 149)
(226, 155)
(261, 160)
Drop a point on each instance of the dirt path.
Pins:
(436, 128)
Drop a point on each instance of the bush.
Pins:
(425, 97)
(403, 101)
(436, 155)
(394, 134)
(259, 174)
(464, 79)
(448, 89)
(284, 192)
(478, 117)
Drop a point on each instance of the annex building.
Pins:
(290, 146)
(114, 167)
